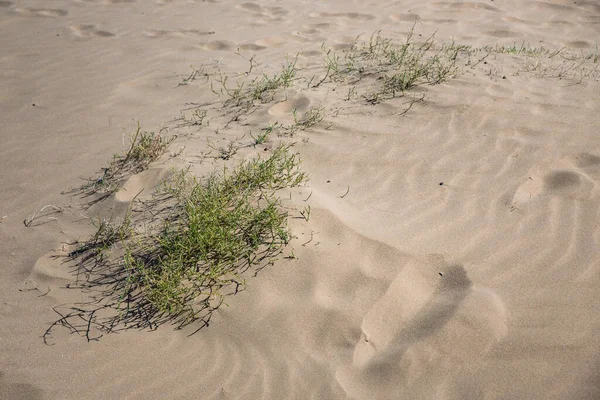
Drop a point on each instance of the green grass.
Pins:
(259, 90)
(224, 153)
(396, 68)
(389, 69)
(265, 133)
(144, 148)
(216, 229)
(193, 117)
(311, 117)
(263, 87)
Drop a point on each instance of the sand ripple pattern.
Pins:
(463, 263)
(510, 197)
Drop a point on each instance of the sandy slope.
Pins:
(483, 287)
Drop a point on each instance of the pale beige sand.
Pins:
(484, 287)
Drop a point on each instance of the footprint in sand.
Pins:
(295, 101)
(581, 44)
(553, 6)
(251, 7)
(263, 14)
(251, 47)
(50, 269)
(353, 16)
(17, 390)
(502, 33)
(311, 54)
(145, 180)
(431, 327)
(466, 6)
(106, 1)
(323, 26)
(178, 33)
(574, 176)
(40, 12)
(405, 17)
(273, 41)
(90, 31)
(220, 45)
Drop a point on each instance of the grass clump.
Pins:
(309, 118)
(227, 223)
(213, 231)
(396, 68)
(264, 133)
(261, 89)
(196, 116)
(523, 49)
(144, 148)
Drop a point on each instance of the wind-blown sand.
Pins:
(463, 263)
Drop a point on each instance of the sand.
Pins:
(462, 263)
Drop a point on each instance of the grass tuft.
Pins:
(265, 133)
(216, 229)
(261, 89)
(144, 148)
(395, 68)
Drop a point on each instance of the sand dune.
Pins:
(451, 251)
